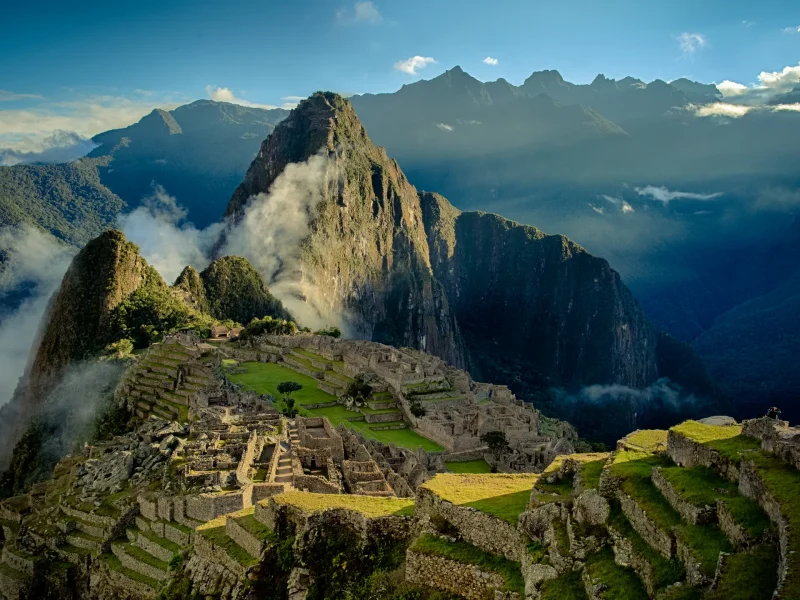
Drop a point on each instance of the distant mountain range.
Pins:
(691, 209)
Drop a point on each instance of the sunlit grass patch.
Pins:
(368, 506)
(501, 495)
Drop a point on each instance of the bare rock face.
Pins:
(476, 289)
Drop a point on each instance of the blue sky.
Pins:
(103, 63)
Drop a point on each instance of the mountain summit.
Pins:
(503, 299)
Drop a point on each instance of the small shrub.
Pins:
(333, 332)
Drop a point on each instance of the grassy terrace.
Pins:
(568, 586)
(647, 440)
(622, 582)
(254, 527)
(144, 557)
(469, 466)
(558, 491)
(635, 469)
(214, 532)
(727, 440)
(368, 506)
(702, 486)
(466, 553)
(748, 576)
(500, 495)
(591, 471)
(265, 377)
(114, 564)
(665, 572)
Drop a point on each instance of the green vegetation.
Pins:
(236, 291)
(665, 572)
(705, 542)
(590, 473)
(333, 332)
(562, 537)
(702, 486)
(648, 440)
(466, 553)
(144, 557)
(217, 536)
(268, 326)
(369, 506)
(568, 586)
(622, 582)
(635, 469)
(703, 434)
(751, 575)
(114, 564)
(265, 377)
(559, 490)
(469, 466)
(500, 495)
(496, 440)
(254, 527)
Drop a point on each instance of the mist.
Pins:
(32, 270)
(269, 234)
(165, 238)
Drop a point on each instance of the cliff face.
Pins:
(367, 254)
(102, 274)
(541, 301)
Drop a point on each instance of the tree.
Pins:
(359, 390)
(497, 442)
(287, 388)
(417, 409)
(290, 410)
(333, 332)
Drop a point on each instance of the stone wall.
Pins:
(626, 556)
(205, 507)
(140, 567)
(692, 513)
(478, 528)
(148, 506)
(688, 453)
(262, 491)
(436, 432)
(660, 540)
(211, 552)
(438, 572)
(251, 544)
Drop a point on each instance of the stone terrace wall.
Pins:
(688, 453)
(478, 528)
(205, 507)
(436, 432)
(441, 573)
(689, 512)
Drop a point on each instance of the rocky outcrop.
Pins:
(412, 270)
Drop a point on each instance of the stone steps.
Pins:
(79, 539)
(73, 554)
(155, 545)
(198, 380)
(381, 404)
(300, 368)
(136, 559)
(130, 580)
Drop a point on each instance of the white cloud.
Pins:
(662, 194)
(223, 94)
(60, 147)
(37, 261)
(748, 24)
(490, 61)
(691, 42)
(721, 109)
(444, 126)
(6, 96)
(781, 107)
(627, 208)
(166, 240)
(598, 209)
(731, 88)
(361, 12)
(410, 65)
(791, 29)
(29, 129)
(293, 100)
(623, 206)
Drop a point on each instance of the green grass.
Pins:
(163, 542)
(114, 564)
(368, 506)
(635, 469)
(254, 527)
(218, 537)
(558, 491)
(265, 377)
(310, 355)
(783, 482)
(622, 582)
(378, 411)
(12, 573)
(562, 537)
(500, 495)
(649, 440)
(590, 473)
(568, 586)
(665, 572)
(466, 553)
(702, 486)
(751, 575)
(727, 439)
(260, 475)
(144, 557)
(706, 542)
(469, 466)
(537, 553)
(180, 527)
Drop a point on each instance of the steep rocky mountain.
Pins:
(476, 289)
(197, 152)
(77, 323)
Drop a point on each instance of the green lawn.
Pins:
(265, 377)
(469, 466)
(501, 495)
(468, 554)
